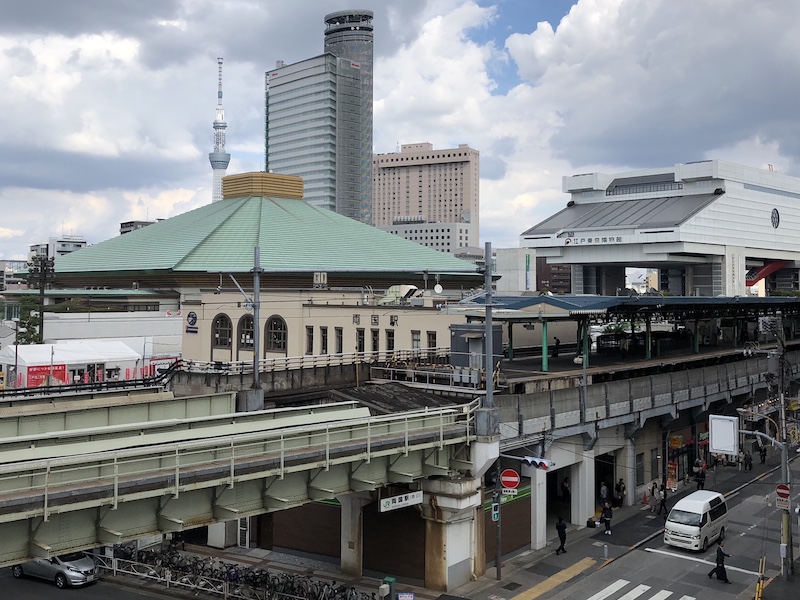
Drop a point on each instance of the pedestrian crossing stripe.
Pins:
(633, 594)
(552, 582)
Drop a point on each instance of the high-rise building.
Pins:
(319, 118)
(429, 196)
(57, 246)
(219, 159)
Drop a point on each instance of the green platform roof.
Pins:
(293, 237)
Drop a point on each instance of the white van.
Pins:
(697, 520)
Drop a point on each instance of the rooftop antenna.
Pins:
(219, 159)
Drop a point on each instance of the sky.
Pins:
(109, 104)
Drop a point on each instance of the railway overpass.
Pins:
(104, 468)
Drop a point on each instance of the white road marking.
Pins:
(635, 592)
(686, 598)
(663, 594)
(611, 589)
(700, 560)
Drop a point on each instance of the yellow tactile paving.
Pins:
(552, 582)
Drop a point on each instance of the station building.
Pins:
(711, 228)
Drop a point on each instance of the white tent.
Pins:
(68, 353)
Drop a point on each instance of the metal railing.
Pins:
(37, 488)
(288, 363)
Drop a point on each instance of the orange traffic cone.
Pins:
(644, 499)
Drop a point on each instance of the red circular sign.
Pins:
(782, 490)
(509, 478)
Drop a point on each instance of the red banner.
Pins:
(38, 375)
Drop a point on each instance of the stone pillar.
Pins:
(538, 506)
(454, 536)
(352, 538)
(630, 470)
(583, 494)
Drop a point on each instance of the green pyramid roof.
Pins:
(292, 236)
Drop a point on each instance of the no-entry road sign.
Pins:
(509, 478)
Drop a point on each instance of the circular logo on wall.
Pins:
(776, 218)
(191, 318)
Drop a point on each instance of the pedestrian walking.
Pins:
(556, 347)
(607, 515)
(701, 480)
(653, 497)
(603, 494)
(740, 460)
(763, 454)
(561, 528)
(619, 492)
(662, 498)
(722, 575)
(748, 461)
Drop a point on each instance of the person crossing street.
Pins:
(722, 575)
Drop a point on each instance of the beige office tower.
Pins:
(428, 196)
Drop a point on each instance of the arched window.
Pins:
(221, 332)
(246, 333)
(275, 340)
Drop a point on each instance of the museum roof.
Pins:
(648, 213)
(292, 235)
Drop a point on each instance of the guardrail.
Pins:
(287, 363)
(38, 488)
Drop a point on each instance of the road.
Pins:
(38, 589)
(655, 571)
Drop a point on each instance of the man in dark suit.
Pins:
(720, 568)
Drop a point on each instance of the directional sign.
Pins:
(509, 478)
(782, 496)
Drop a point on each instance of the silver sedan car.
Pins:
(73, 569)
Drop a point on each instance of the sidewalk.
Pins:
(587, 550)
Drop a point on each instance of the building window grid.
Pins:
(276, 334)
(246, 333)
(222, 332)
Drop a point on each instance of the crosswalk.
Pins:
(635, 593)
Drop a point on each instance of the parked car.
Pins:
(74, 569)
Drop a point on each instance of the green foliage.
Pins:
(28, 321)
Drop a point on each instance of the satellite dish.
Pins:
(438, 288)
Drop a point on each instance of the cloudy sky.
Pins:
(109, 103)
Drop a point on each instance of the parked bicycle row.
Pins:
(212, 573)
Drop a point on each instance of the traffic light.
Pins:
(539, 463)
(495, 511)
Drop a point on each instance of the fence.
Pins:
(223, 580)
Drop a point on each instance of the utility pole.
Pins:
(776, 365)
(41, 270)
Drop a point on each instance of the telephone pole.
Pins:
(41, 271)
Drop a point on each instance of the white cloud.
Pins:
(110, 113)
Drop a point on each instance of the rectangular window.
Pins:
(415, 340)
(309, 340)
(376, 339)
(640, 468)
(390, 340)
(360, 340)
(339, 333)
(323, 340)
(431, 339)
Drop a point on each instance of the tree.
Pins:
(28, 321)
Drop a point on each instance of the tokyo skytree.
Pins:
(219, 159)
